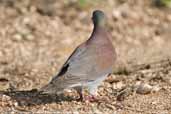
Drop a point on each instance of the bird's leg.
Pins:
(95, 98)
(93, 88)
(81, 96)
(91, 94)
(86, 96)
(90, 98)
(80, 92)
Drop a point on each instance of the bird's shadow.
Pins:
(33, 97)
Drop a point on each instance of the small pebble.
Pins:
(143, 88)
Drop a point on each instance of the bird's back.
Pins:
(89, 62)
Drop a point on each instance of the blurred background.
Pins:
(37, 36)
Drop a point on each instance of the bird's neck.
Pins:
(99, 35)
(99, 26)
(98, 29)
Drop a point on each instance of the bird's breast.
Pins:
(105, 57)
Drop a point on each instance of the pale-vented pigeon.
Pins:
(89, 64)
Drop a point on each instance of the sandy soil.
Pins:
(37, 36)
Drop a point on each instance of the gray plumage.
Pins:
(89, 64)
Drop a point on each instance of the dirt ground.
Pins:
(37, 36)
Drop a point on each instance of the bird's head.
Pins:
(99, 18)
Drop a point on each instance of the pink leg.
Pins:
(90, 98)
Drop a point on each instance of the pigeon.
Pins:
(89, 64)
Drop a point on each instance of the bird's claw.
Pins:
(90, 98)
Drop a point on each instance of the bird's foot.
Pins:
(88, 98)
(91, 98)
(96, 98)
